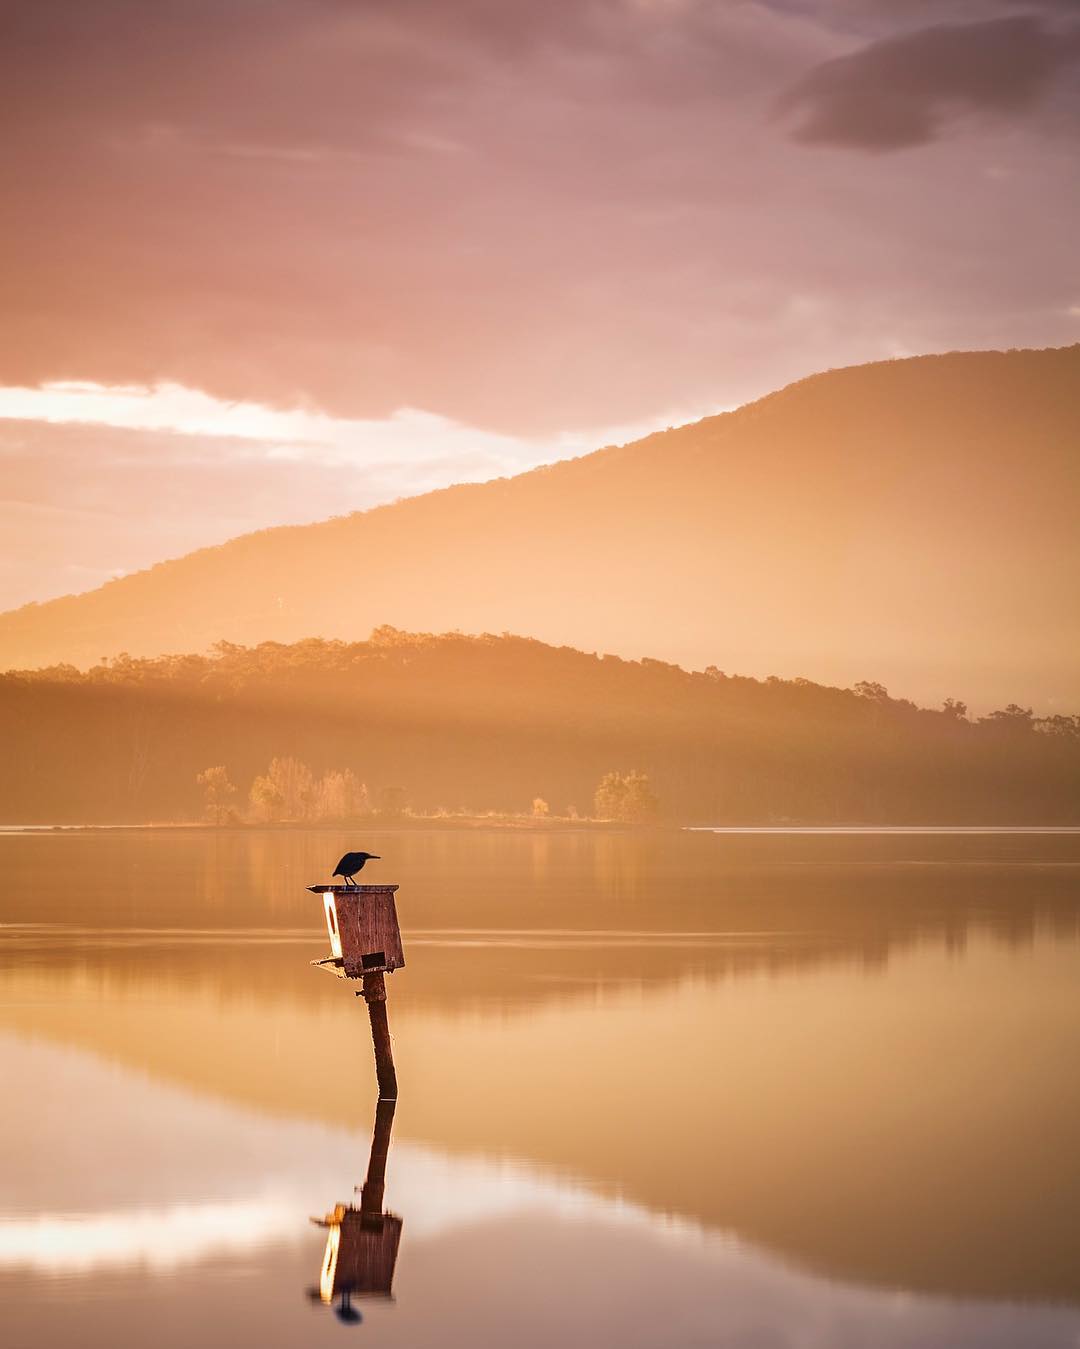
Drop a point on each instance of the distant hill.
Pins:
(492, 723)
(915, 520)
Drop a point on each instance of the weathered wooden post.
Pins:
(375, 996)
(365, 944)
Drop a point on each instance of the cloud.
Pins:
(502, 212)
(521, 217)
(903, 91)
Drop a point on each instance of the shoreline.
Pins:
(419, 824)
(436, 824)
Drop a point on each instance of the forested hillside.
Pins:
(420, 723)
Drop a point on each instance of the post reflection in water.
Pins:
(361, 1243)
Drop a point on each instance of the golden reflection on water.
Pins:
(857, 1055)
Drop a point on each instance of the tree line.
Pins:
(507, 724)
(291, 792)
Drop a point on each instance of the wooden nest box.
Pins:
(363, 926)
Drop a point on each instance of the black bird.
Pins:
(353, 862)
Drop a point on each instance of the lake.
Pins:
(663, 1090)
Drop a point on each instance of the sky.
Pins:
(267, 261)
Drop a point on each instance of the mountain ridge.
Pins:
(809, 532)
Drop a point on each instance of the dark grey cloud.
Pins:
(904, 91)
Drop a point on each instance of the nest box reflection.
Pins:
(361, 1242)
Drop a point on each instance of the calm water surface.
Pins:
(676, 1090)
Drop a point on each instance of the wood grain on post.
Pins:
(375, 997)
